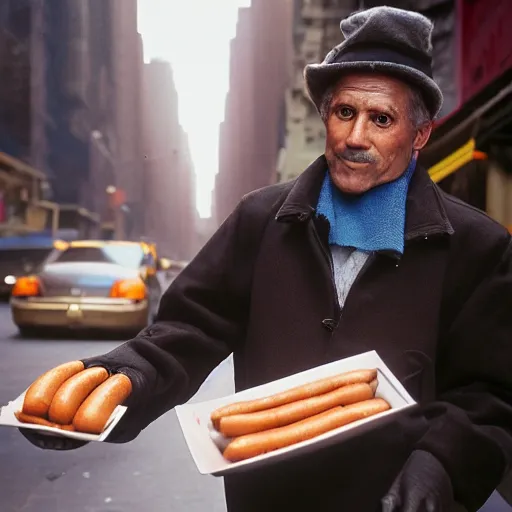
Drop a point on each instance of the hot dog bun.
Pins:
(40, 394)
(241, 424)
(26, 418)
(97, 408)
(318, 387)
(251, 445)
(73, 392)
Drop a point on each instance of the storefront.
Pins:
(470, 152)
(22, 205)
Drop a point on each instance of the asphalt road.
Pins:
(155, 472)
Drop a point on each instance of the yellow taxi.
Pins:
(90, 284)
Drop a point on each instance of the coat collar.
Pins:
(425, 215)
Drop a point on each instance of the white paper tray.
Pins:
(8, 419)
(205, 444)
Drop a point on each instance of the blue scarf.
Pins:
(373, 221)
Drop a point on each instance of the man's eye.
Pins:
(345, 112)
(383, 120)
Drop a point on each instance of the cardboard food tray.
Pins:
(206, 445)
(8, 419)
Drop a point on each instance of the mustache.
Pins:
(357, 156)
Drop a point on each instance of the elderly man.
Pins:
(362, 251)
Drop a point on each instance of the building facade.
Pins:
(252, 133)
(168, 184)
(315, 31)
(70, 106)
(23, 189)
(127, 83)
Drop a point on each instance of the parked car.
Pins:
(92, 284)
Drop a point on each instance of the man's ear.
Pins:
(422, 136)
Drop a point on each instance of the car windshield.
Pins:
(125, 255)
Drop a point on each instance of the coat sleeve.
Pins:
(471, 423)
(202, 318)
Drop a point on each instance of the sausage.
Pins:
(93, 414)
(318, 387)
(241, 424)
(36, 420)
(73, 392)
(40, 394)
(252, 445)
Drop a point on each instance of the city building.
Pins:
(168, 184)
(127, 74)
(24, 190)
(252, 133)
(70, 107)
(469, 152)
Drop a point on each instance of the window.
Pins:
(125, 255)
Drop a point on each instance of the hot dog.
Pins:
(251, 445)
(40, 394)
(97, 408)
(26, 418)
(318, 387)
(73, 392)
(241, 424)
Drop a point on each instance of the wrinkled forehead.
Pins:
(373, 87)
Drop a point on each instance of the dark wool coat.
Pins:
(262, 288)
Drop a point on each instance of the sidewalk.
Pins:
(496, 504)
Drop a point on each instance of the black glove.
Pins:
(48, 442)
(423, 485)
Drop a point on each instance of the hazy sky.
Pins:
(194, 36)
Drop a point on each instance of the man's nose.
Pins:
(357, 137)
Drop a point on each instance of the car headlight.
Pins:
(10, 280)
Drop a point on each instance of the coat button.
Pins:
(329, 324)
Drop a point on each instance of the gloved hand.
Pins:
(46, 442)
(423, 485)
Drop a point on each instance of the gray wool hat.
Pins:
(384, 39)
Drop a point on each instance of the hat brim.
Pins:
(319, 77)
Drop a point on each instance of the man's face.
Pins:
(370, 136)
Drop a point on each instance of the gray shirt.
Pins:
(347, 263)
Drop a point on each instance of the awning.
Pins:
(11, 180)
(23, 168)
(476, 124)
(15, 229)
(453, 162)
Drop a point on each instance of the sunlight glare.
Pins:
(194, 36)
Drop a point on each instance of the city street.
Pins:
(154, 473)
